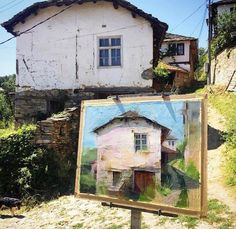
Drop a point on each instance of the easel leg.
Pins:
(136, 219)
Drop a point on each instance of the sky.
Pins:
(184, 17)
(168, 114)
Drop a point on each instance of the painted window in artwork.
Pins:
(110, 51)
(140, 142)
(116, 178)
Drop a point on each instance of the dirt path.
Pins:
(68, 212)
(216, 190)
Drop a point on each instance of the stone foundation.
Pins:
(223, 66)
(33, 106)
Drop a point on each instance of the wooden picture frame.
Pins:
(201, 210)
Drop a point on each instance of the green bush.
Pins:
(226, 26)
(87, 184)
(26, 169)
(5, 112)
(192, 171)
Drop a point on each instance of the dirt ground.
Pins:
(69, 212)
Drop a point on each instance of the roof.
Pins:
(173, 68)
(131, 115)
(33, 9)
(168, 150)
(223, 2)
(177, 37)
(171, 137)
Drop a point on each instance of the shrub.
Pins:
(226, 24)
(87, 184)
(26, 169)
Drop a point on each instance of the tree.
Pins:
(202, 59)
(226, 37)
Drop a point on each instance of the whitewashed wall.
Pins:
(225, 8)
(116, 145)
(47, 55)
(182, 58)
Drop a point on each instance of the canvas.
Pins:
(144, 152)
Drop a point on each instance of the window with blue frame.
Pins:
(110, 51)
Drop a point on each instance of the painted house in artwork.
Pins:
(180, 59)
(84, 49)
(129, 153)
(169, 149)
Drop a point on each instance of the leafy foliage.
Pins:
(7, 84)
(202, 59)
(161, 70)
(27, 169)
(87, 184)
(226, 26)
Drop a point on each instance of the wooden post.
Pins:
(135, 219)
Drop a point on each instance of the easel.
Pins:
(136, 213)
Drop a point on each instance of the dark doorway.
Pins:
(143, 180)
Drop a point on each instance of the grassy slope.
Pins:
(225, 104)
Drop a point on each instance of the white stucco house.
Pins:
(83, 46)
(219, 8)
(181, 54)
(129, 153)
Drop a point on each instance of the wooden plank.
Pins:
(204, 159)
(140, 205)
(80, 140)
(136, 219)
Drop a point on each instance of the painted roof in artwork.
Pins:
(176, 37)
(33, 9)
(131, 115)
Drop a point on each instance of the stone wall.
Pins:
(223, 66)
(32, 106)
(60, 131)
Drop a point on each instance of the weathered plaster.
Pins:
(181, 58)
(62, 53)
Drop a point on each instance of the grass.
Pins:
(4, 133)
(225, 104)
(78, 226)
(218, 216)
(164, 190)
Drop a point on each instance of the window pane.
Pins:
(115, 42)
(172, 49)
(103, 42)
(137, 142)
(137, 136)
(137, 148)
(115, 57)
(144, 142)
(180, 49)
(104, 57)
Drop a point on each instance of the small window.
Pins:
(172, 49)
(180, 49)
(176, 49)
(116, 178)
(140, 142)
(110, 52)
(173, 143)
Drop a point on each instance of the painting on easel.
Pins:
(144, 151)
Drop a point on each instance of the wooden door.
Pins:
(143, 180)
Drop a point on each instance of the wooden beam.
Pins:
(133, 14)
(115, 4)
